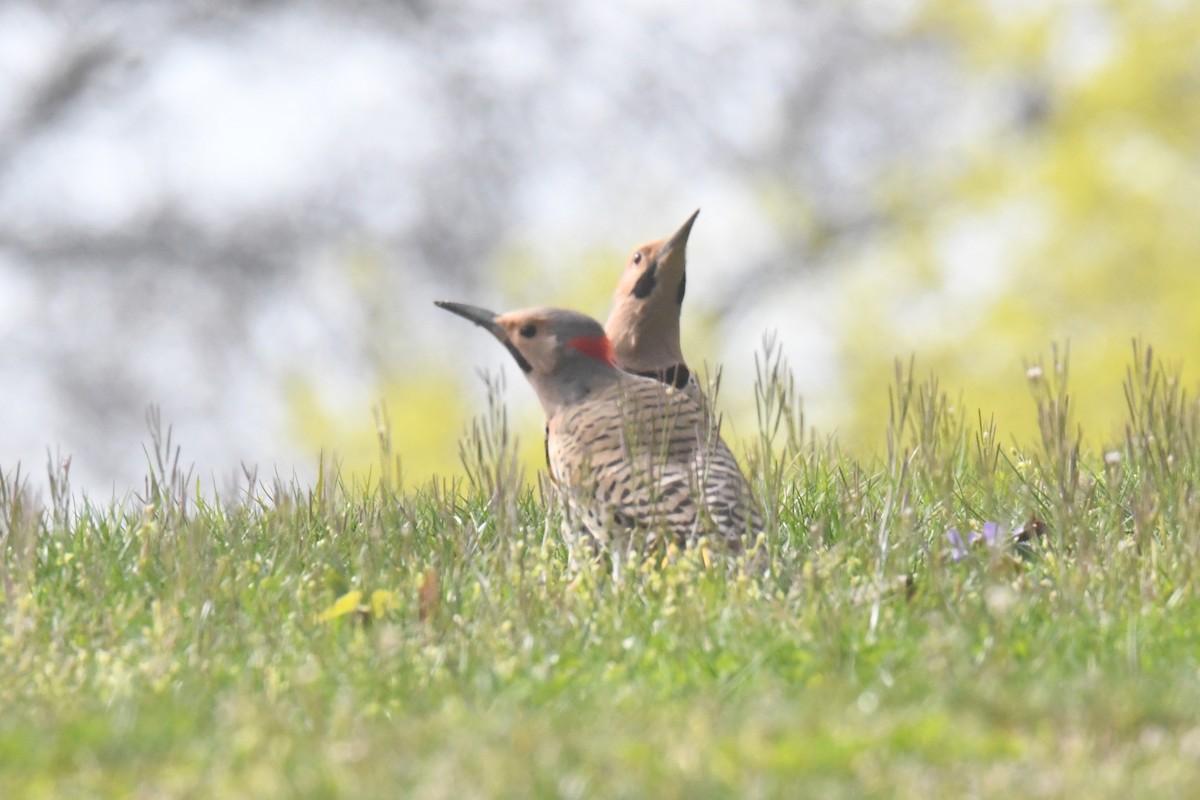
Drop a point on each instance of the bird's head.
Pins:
(564, 354)
(644, 322)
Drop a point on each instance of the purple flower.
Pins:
(990, 536)
(958, 550)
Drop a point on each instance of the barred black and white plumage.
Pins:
(638, 459)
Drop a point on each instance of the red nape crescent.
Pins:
(597, 347)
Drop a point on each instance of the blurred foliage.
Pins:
(528, 279)
(1074, 221)
(423, 421)
(1066, 216)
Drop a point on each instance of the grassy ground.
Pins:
(333, 641)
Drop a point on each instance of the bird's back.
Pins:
(642, 457)
(679, 377)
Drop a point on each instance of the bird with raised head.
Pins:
(644, 322)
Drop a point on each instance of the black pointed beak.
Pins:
(480, 316)
(680, 238)
(486, 320)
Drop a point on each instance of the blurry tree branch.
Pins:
(56, 92)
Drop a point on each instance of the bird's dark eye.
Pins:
(637, 258)
(528, 331)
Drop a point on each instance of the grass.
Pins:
(337, 640)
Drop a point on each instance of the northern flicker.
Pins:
(644, 322)
(631, 457)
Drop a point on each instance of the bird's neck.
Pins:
(643, 341)
(573, 383)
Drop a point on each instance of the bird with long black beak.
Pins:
(644, 322)
(635, 462)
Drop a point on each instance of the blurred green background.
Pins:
(242, 213)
